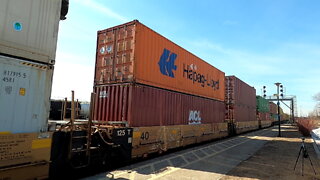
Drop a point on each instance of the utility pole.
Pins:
(278, 84)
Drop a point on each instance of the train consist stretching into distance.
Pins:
(149, 96)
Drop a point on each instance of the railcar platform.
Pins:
(255, 155)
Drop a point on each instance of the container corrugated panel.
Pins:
(240, 100)
(25, 90)
(264, 116)
(133, 52)
(262, 104)
(239, 92)
(273, 108)
(243, 113)
(142, 105)
(29, 29)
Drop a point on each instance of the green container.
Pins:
(274, 117)
(262, 104)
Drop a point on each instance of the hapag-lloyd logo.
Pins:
(166, 63)
(190, 72)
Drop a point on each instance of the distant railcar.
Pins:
(240, 105)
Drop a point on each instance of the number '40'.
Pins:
(145, 135)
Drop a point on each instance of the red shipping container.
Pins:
(134, 53)
(264, 116)
(142, 105)
(240, 100)
(243, 113)
(273, 108)
(239, 92)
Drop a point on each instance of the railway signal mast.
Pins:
(278, 103)
(281, 97)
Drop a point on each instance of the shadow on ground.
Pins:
(258, 155)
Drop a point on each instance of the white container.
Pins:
(85, 110)
(29, 28)
(25, 90)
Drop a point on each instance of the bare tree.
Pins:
(316, 110)
(316, 97)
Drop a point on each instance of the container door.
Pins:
(112, 103)
(25, 90)
(115, 53)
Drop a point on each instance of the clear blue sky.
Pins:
(261, 42)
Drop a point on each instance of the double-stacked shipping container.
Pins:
(240, 106)
(168, 95)
(263, 112)
(28, 39)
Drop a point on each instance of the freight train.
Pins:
(149, 96)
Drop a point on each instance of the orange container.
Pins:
(132, 52)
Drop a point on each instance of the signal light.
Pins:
(281, 90)
(264, 91)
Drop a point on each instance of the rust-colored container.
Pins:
(132, 52)
(273, 108)
(239, 92)
(264, 116)
(240, 100)
(141, 105)
(244, 113)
